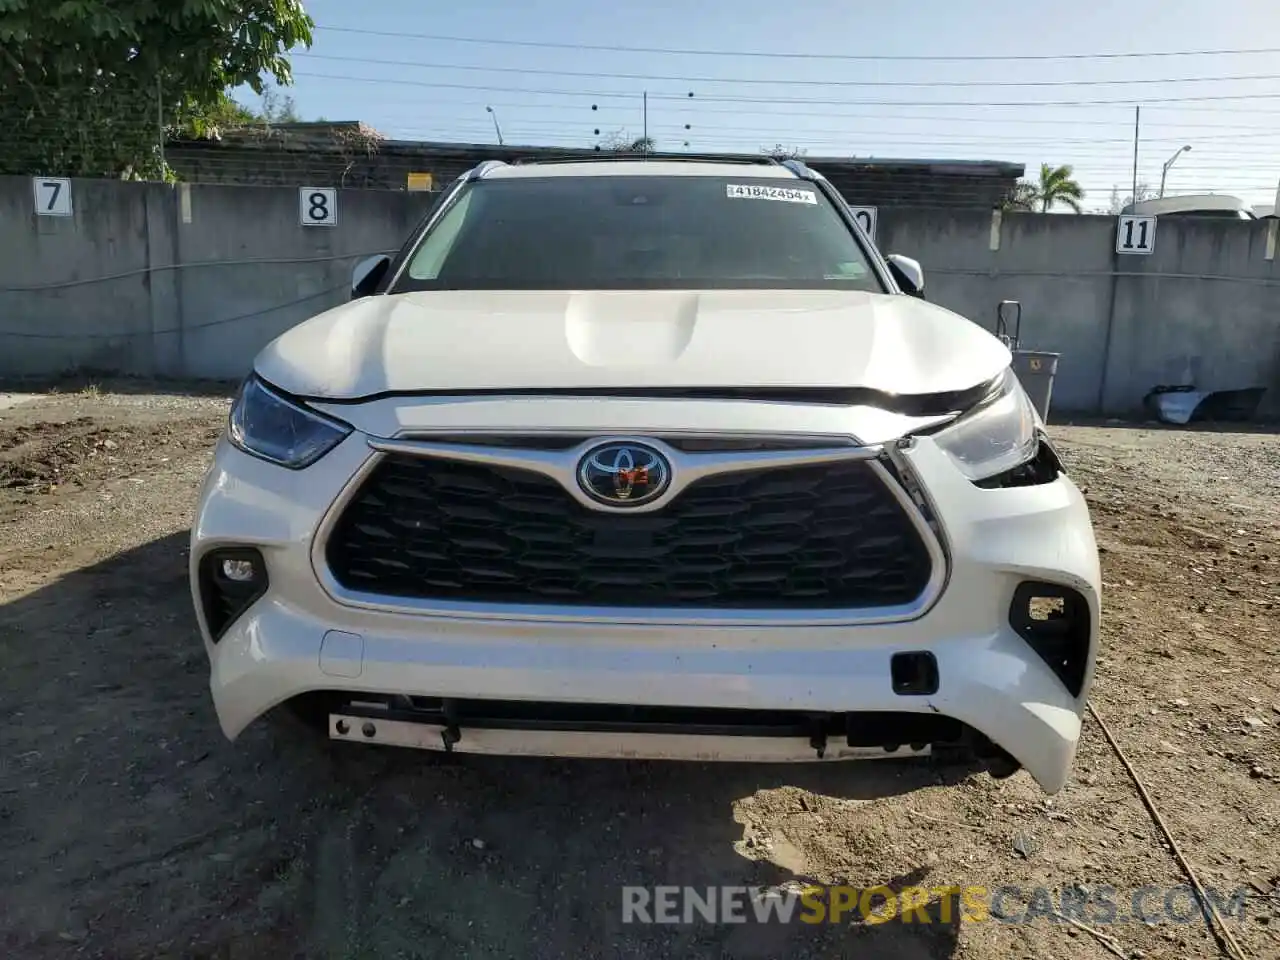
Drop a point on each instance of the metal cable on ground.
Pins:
(1226, 939)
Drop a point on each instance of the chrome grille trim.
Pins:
(560, 465)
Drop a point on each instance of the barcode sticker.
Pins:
(742, 191)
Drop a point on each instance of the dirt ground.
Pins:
(130, 828)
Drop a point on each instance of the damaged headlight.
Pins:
(265, 424)
(997, 435)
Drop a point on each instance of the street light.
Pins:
(1169, 163)
(498, 130)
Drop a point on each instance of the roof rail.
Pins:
(478, 172)
(801, 169)
(611, 155)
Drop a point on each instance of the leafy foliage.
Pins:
(1120, 201)
(90, 86)
(620, 142)
(1021, 197)
(1055, 185)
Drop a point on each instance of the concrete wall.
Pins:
(192, 281)
(156, 280)
(1204, 308)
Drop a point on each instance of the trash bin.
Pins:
(1035, 370)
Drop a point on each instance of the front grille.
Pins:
(830, 536)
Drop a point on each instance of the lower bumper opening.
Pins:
(602, 730)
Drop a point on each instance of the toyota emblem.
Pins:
(624, 474)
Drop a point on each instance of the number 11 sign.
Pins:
(1135, 234)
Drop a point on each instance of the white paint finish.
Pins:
(184, 201)
(317, 206)
(52, 196)
(1271, 238)
(471, 340)
(1135, 235)
(990, 679)
(341, 654)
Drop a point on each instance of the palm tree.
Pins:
(1057, 185)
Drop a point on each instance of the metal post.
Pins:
(497, 129)
(645, 141)
(1164, 171)
(160, 125)
(1137, 120)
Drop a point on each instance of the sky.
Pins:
(804, 74)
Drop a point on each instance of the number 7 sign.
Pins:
(1135, 235)
(52, 196)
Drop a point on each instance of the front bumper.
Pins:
(297, 638)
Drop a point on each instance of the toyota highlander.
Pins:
(647, 458)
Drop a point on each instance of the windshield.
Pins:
(646, 232)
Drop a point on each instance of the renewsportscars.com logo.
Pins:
(1099, 905)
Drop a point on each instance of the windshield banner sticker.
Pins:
(743, 191)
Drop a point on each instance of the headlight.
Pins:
(266, 425)
(997, 436)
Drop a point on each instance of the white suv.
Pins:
(647, 458)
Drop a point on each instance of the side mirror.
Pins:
(368, 274)
(908, 274)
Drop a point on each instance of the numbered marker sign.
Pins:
(317, 206)
(1135, 235)
(866, 217)
(53, 196)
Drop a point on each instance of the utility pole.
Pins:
(645, 141)
(160, 124)
(1137, 121)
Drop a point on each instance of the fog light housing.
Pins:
(231, 579)
(1055, 622)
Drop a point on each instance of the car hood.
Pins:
(458, 341)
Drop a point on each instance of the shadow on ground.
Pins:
(132, 828)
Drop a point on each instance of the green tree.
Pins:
(1056, 185)
(620, 142)
(92, 86)
(1023, 196)
(278, 107)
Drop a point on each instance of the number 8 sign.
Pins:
(866, 217)
(317, 206)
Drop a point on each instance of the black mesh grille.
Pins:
(828, 536)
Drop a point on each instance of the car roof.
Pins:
(1188, 203)
(637, 168)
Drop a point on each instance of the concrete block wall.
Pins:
(191, 281)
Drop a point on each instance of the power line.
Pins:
(774, 55)
(1126, 124)
(782, 81)
(632, 98)
(720, 98)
